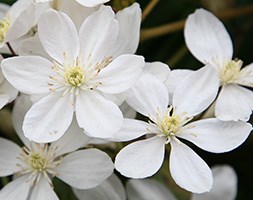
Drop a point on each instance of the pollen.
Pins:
(4, 28)
(171, 124)
(230, 72)
(37, 162)
(75, 76)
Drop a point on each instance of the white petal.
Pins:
(230, 107)
(85, 169)
(43, 191)
(21, 107)
(141, 159)
(9, 152)
(215, 135)
(129, 20)
(147, 189)
(32, 46)
(98, 35)
(246, 76)
(207, 38)
(49, 118)
(196, 92)
(131, 129)
(92, 114)
(158, 69)
(7, 89)
(73, 139)
(58, 36)
(3, 9)
(17, 189)
(91, 3)
(188, 170)
(120, 74)
(110, 189)
(148, 96)
(222, 188)
(175, 78)
(3, 100)
(29, 74)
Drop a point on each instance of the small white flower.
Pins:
(36, 164)
(7, 92)
(208, 40)
(83, 70)
(168, 125)
(19, 19)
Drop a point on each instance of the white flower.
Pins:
(224, 185)
(36, 164)
(168, 125)
(19, 19)
(87, 3)
(208, 40)
(7, 92)
(110, 189)
(77, 79)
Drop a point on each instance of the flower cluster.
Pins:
(77, 83)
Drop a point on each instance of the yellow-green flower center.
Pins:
(4, 28)
(230, 72)
(37, 162)
(75, 76)
(171, 124)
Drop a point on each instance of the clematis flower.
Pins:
(35, 164)
(82, 71)
(150, 97)
(208, 40)
(19, 19)
(7, 92)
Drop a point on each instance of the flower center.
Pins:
(75, 76)
(37, 162)
(171, 124)
(230, 72)
(4, 28)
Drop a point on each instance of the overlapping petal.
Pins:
(91, 3)
(141, 159)
(188, 170)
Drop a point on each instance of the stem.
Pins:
(149, 8)
(11, 50)
(179, 25)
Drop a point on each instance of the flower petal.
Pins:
(147, 189)
(230, 107)
(17, 189)
(215, 135)
(141, 159)
(98, 35)
(85, 169)
(49, 118)
(9, 152)
(74, 134)
(188, 170)
(29, 74)
(58, 36)
(158, 69)
(207, 38)
(120, 74)
(129, 35)
(110, 189)
(131, 129)
(195, 99)
(92, 115)
(43, 191)
(127, 111)
(222, 188)
(91, 3)
(21, 107)
(246, 76)
(148, 96)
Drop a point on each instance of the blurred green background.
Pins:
(170, 48)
